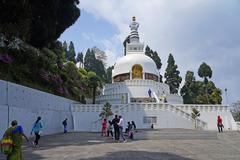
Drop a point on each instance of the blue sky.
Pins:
(89, 31)
(193, 31)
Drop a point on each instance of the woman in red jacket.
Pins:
(219, 124)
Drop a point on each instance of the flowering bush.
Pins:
(5, 58)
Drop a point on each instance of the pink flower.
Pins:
(5, 58)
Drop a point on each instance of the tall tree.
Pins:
(172, 75)
(80, 57)
(93, 64)
(89, 60)
(154, 55)
(94, 83)
(65, 49)
(70, 56)
(188, 90)
(109, 74)
(205, 71)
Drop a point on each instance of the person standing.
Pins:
(37, 129)
(220, 124)
(15, 132)
(134, 125)
(110, 129)
(65, 125)
(104, 127)
(116, 127)
(150, 93)
(120, 124)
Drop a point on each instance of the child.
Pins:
(104, 127)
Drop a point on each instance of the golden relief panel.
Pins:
(137, 72)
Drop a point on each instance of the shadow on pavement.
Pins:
(138, 155)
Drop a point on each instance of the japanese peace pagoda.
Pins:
(137, 94)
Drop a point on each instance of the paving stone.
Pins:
(174, 144)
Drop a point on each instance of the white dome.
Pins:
(125, 64)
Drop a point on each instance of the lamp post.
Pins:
(226, 96)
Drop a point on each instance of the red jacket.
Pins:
(219, 121)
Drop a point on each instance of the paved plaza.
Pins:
(153, 145)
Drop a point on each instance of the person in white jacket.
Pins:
(120, 124)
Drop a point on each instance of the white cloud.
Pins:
(194, 31)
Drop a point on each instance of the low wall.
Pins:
(209, 114)
(26, 104)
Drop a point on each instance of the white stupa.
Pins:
(135, 77)
(137, 95)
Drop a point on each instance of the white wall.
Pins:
(26, 104)
(168, 116)
(86, 117)
(209, 114)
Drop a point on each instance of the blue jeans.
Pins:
(65, 128)
(121, 132)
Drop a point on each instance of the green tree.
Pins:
(106, 111)
(93, 64)
(70, 56)
(109, 74)
(37, 22)
(89, 60)
(188, 90)
(94, 82)
(205, 71)
(236, 116)
(195, 115)
(65, 49)
(154, 55)
(172, 75)
(80, 57)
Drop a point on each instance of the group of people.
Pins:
(116, 126)
(15, 133)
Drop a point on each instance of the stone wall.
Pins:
(26, 104)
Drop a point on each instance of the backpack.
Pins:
(6, 145)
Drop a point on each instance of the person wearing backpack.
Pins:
(37, 129)
(65, 125)
(14, 135)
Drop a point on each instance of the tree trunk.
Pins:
(94, 94)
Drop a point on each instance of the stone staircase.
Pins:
(123, 109)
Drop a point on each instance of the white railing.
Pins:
(203, 108)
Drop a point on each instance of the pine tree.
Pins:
(70, 56)
(65, 49)
(109, 74)
(172, 75)
(154, 55)
(188, 90)
(89, 60)
(93, 64)
(80, 57)
(205, 71)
